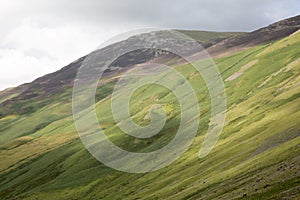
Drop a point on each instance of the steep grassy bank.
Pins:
(257, 155)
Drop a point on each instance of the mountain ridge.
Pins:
(238, 41)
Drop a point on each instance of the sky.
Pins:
(42, 36)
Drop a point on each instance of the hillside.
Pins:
(256, 157)
(216, 43)
(209, 38)
(263, 35)
(19, 100)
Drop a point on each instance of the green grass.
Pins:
(256, 157)
(208, 36)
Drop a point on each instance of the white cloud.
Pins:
(30, 51)
(17, 68)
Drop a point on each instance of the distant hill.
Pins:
(267, 34)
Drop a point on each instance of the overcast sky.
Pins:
(41, 36)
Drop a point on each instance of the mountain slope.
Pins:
(19, 100)
(257, 156)
(267, 34)
(15, 101)
(209, 38)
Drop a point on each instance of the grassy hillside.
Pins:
(256, 157)
(208, 38)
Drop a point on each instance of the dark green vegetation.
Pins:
(256, 157)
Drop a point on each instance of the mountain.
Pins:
(216, 43)
(256, 157)
(209, 38)
(267, 34)
(49, 85)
